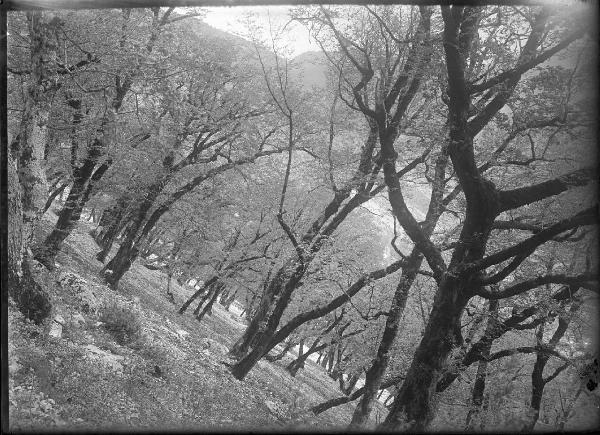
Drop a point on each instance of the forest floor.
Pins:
(170, 375)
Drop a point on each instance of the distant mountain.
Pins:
(311, 69)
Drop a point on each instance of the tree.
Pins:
(459, 281)
(95, 164)
(28, 197)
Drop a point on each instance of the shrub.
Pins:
(122, 322)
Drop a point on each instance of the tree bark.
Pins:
(112, 222)
(218, 287)
(299, 362)
(26, 175)
(205, 288)
(376, 372)
(480, 377)
(281, 354)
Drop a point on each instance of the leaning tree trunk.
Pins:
(347, 386)
(112, 222)
(29, 194)
(218, 288)
(376, 372)
(281, 354)
(271, 292)
(268, 327)
(205, 288)
(85, 177)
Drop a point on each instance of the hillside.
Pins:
(169, 374)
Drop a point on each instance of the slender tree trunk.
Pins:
(326, 356)
(208, 308)
(281, 354)
(205, 288)
(538, 382)
(207, 296)
(170, 295)
(112, 222)
(271, 306)
(56, 192)
(480, 377)
(376, 372)
(299, 362)
(268, 327)
(347, 386)
(128, 250)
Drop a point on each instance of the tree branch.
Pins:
(522, 287)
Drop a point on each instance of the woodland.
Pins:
(411, 210)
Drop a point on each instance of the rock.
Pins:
(56, 330)
(275, 408)
(182, 334)
(209, 343)
(88, 301)
(78, 320)
(108, 358)
(59, 319)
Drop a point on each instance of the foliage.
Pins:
(122, 322)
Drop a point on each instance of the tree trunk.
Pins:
(347, 386)
(376, 372)
(208, 308)
(413, 400)
(480, 377)
(272, 303)
(205, 288)
(112, 222)
(54, 194)
(282, 292)
(31, 299)
(299, 362)
(538, 382)
(128, 250)
(28, 195)
(170, 295)
(325, 359)
(205, 298)
(288, 346)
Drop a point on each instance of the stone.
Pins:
(78, 320)
(110, 359)
(275, 408)
(55, 330)
(209, 343)
(182, 334)
(88, 302)
(59, 319)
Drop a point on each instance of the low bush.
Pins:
(122, 322)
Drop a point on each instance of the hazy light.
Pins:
(230, 19)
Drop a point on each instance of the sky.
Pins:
(228, 19)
